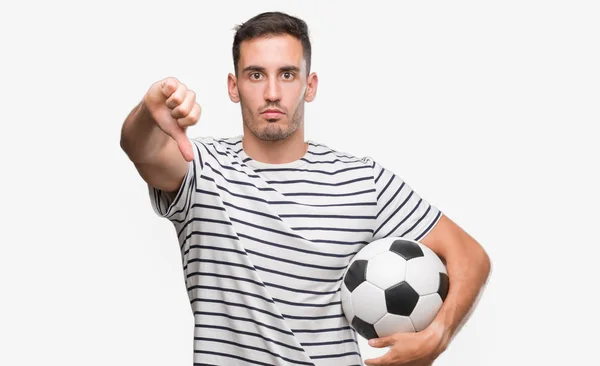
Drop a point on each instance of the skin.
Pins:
(271, 73)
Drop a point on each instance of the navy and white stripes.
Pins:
(264, 248)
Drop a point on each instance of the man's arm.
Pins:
(468, 267)
(153, 134)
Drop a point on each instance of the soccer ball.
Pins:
(393, 285)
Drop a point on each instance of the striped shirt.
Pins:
(264, 248)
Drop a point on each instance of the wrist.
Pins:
(440, 334)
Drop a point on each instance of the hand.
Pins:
(173, 106)
(410, 349)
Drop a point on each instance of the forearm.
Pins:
(468, 270)
(141, 138)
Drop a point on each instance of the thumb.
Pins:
(184, 144)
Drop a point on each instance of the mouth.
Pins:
(272, 113)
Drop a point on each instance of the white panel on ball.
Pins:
(435, 260)
(392, 323)
(368, 302)
(386, 270)
(422, 275)
(346, 302)
(372, 249)
(425, 311)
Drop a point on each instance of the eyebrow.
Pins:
(262, 69)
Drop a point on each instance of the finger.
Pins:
(382, 342)
(379, 361)
(168, 86)
(177, 97)
(184, 144)
(192, 118)
(186, 106)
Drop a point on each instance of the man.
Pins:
(268, 222)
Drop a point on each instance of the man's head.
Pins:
(271, 54)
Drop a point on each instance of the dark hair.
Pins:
(271, 23)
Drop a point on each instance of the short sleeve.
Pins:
(400, 210)
(176, 207)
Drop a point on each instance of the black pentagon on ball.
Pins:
(401, 299)
(363, 328)
(406, 249)
(444, 286)
(356, 274)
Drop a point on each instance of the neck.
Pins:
(283, 151)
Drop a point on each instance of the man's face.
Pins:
(271, 86)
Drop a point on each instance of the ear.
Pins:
(311, 87)
(232, 88)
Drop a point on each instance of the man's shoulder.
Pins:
(342, 155)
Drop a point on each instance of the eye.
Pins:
(255, 75)
(288, 75)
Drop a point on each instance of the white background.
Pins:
(488, 109)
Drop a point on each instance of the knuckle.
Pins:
(183, 122)
(170, 83)
(175, 114)
(175, 100)
(195, 113)
(185, 110)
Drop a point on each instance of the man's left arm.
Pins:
(468, 267)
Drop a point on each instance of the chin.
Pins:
(273, 129)
(272, 132)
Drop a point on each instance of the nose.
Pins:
(272, 90)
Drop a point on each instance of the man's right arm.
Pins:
(155, 154)
(153, 134)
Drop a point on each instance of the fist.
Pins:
(173, 107)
